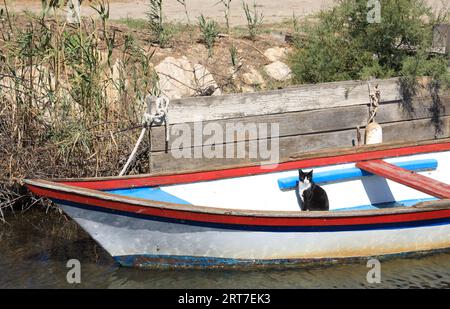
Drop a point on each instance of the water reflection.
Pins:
(36, 246)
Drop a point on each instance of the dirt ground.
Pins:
(273, 11)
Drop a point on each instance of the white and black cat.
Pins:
(309, 195)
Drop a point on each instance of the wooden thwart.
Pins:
(416, 181)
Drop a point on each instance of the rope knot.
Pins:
(161, 111)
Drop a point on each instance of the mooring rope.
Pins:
(373, 132)
(374, 98)
(149, 119)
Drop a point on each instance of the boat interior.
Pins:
(348, 187)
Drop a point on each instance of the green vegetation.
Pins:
(254, 20)
(133, 23)
(343, 45)
(210, 31)
(160, 32)
(234, 56)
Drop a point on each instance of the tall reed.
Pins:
(254, 20)
(68, 94)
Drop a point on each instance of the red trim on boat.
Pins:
(240, 219)
(408, 178)
(127, 182)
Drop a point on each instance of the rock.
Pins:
(276, 53)
(253, 78)
(178, 78)
(204, 81)
(278, 71)
(175, 77)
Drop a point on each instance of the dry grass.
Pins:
(65, 101)
(71, 94)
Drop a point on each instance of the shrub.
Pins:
(210, 32)
(343, 45)
(161, 34)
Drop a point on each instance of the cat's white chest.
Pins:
(302, 187)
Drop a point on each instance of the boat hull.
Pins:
(142, 242)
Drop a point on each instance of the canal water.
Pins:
(35, 247)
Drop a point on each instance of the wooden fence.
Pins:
(309, 118)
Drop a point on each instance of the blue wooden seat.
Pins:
(289, 183)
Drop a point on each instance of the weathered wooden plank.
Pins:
(296, 123)
(408, 178)
(386, 146)
(423, 129)
(302, 98)
(414, 130)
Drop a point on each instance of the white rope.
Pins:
(133, 153)
(161, 114)
(159, 117)
(373, 132)
(374, 98)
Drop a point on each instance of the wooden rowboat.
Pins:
(384, 200)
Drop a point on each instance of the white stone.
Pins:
(278, 71)
(175, 76)
(179, 78)
(203, 79)
(253, 77)
(276, 53)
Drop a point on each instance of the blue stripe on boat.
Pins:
(149, 193)
(268, 228)
(289, 183)
(403, 203)
(147, 260)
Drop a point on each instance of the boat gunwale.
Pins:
(311, 159)
(443, 204)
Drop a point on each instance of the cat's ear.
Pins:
(300, 173)
(310, 174)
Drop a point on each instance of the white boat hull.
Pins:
(142, 242)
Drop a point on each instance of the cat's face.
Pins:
(305, 178)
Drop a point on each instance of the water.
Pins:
(35, 248)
